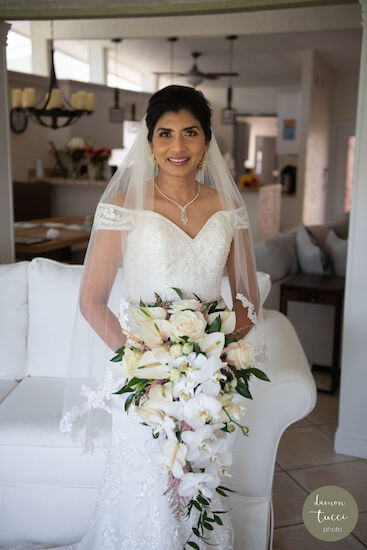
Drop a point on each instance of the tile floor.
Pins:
(306, 460)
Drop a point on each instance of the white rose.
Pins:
(240, 353)
(130, 361)
(175, 350)
(187, 348)
(184, 304)
(76, 143)
(188, 323)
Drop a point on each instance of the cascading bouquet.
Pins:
(182, 374)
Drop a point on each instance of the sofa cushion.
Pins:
(13, 320)
(312, 258)
(6, 386)
(277, 255)
(337, 251)
(340, 226)
(32, 449)
(53, 298)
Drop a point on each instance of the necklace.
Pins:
(184, 219)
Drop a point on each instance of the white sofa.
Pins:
(47, 487)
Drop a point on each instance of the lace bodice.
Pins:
(160, 255)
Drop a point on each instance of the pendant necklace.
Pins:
(184, 219)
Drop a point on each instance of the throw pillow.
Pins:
(337, 250)
(276, 255)
(312, 258)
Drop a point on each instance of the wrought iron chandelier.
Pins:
(52, 110)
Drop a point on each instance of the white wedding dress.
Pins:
(132, 513)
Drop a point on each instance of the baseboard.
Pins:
(351, 443)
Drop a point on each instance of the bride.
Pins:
(173, 217)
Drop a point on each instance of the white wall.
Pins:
(343, 126)
(318, 142)
(351, 435)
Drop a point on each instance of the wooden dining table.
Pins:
(31, 237)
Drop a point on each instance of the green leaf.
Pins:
(208, 526)
(196, 531)
(193, 545)
(197, 297)
(227, 489)
(218, 520)
(121, 350)
(213, 306)
(141, 303)
(197, 348)
(178, 291)
(230, 338)
(259, 374)
(215, 326)
(128, 401)
(197, 505)
(242, 389)
(221, 492)
(203, 500)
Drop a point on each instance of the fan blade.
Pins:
(170, 74)
(217, 75)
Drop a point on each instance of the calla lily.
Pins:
(154, 332)
(150, 367)
(201, 408)
(228, 319)
(143, 314)
(175, 454)
(212, 344)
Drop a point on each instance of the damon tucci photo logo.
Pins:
(330, 513)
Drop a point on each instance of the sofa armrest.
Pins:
(289, 396)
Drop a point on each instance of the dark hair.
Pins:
(174, 98)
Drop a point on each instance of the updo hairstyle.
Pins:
(175, 98)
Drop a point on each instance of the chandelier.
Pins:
(52, 110)
(229, 112)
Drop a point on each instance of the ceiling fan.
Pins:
(195, 76)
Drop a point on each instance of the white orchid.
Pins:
(228, 320)
(201, 408)
(192, 483)
(198, 442)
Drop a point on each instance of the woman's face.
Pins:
(178, 144)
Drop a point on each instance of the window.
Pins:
(19, 52)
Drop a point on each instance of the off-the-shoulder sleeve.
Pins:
(240, 219)
(111, 216)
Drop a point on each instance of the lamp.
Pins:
(52, 105)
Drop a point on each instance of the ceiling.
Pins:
(261, 60)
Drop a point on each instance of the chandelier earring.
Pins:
(154, 162)
(203, 162)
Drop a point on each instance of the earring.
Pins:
(153, 160)
(203, 162)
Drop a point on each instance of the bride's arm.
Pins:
(250, 290)
(101, 267)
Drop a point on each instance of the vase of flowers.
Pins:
(76, 150)
(99, 158)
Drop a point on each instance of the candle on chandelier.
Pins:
(55, 100)
(16, 98)
(28, 98)
(89, 102)
(80, 100)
